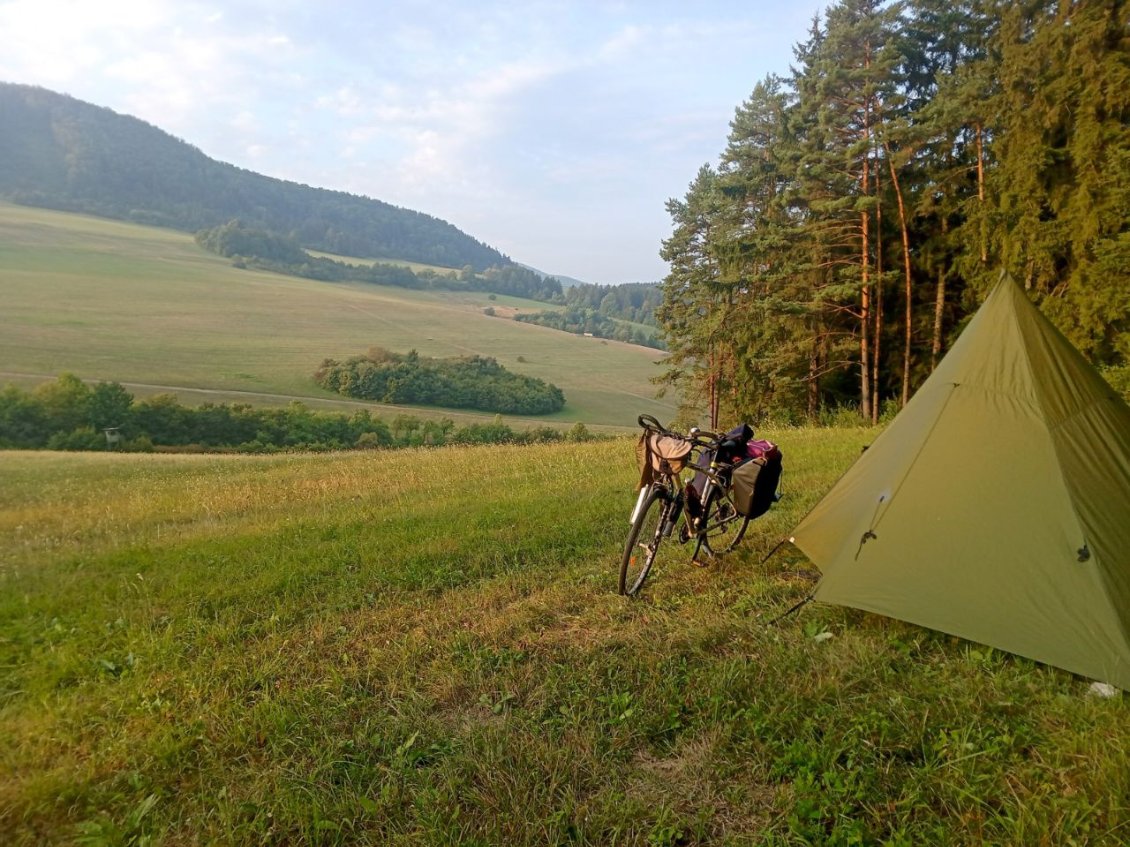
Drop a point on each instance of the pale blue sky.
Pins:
(554, 131)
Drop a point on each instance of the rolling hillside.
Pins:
(61, 153)
(147, 306)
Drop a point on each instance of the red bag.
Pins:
(762, 448)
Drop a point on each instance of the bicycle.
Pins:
(709, 515)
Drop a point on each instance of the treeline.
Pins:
(582, 321)
(633, 301)
(67, 414)
(62, 153)
(865, 203)
(250, 246)
(471, 382)
(237, 240)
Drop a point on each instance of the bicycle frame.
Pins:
(700, 525)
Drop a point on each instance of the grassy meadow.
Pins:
(415, 267)
(147, 307)
(425, 647)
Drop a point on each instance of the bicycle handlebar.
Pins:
(698, 437)
(704, 436)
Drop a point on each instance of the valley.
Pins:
(115, 301)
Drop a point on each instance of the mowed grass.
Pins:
(403, 263)
(113, 301)
(425, 647)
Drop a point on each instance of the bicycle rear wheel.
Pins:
(643, 541)
(722, 528)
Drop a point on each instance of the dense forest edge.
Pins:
(68, 414)
(865, 203)
(464, 382)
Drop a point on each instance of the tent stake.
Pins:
(780, 618)
(780, 544)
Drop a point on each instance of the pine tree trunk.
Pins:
(877, 308)
(865, 388)
(907, 279)
(865, 306)
(813, 388)
(939, 307)
(980, 135)
(712, 383)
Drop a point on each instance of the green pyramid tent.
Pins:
(996, 506)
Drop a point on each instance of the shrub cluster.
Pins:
(67, 414)
(469, 382)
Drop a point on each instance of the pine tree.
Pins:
(768, 337)
(689, 315)
(946, 81)
(1062, 184)
(843, 85)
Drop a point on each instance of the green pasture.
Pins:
(113, 301)
(425, 647)
(415, 267)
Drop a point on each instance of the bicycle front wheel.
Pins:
(643, 541)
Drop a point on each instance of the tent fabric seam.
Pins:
(1044, 413)
(917, 455)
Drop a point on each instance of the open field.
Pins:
(412, 266)
(114, 301)
(425, 647)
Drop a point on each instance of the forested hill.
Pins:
(62, 153)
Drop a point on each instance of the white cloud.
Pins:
(434, 136)
(245, 122)
(622, 43)
(345, 101)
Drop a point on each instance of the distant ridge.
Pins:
(566, 281)
(62, 153)
(573, 282)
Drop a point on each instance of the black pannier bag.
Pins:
(755, 480)
(737, 442)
